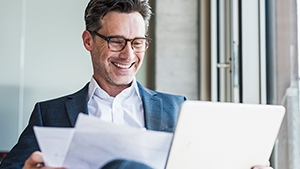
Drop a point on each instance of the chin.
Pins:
(123, 82)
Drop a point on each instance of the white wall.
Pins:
(42, 57)
(176, 55)
(9, 75)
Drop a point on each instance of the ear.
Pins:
(87, 39)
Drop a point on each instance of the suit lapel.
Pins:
(152, 109)
(152, 105)
(76, 104)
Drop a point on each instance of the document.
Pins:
(93, 143)
(54, 143)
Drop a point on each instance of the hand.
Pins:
(36, 161)
(262, 167)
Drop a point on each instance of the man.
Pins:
(116, 38)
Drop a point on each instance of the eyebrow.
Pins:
(119, 36)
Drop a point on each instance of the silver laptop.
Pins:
(212, 135)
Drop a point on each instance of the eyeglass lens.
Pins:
(138, 44)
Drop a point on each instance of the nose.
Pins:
(127, 53)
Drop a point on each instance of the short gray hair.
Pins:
(97, 9)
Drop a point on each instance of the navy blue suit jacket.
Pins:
(161, 112)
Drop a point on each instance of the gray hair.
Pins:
(97, 9)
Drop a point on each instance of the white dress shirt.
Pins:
(124, 109)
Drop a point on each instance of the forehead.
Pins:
(129, 25)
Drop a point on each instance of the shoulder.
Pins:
(169, 102)
(162, 95)
(80, 94)
(57, 107)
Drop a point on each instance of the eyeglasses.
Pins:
(117, 43)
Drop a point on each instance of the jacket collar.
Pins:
(152, 108)
(76, 104)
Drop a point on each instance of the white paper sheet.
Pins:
(54, 143)
(95, 143)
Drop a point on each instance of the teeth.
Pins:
(122, 66)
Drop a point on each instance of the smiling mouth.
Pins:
(123, 66)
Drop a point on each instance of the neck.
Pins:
(112, 89)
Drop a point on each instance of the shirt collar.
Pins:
(94, 87)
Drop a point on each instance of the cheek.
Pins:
(140, 58)
(100, 53)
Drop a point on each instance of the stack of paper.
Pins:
(93, 143)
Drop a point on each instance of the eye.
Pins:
(117, 41)
(138, 42)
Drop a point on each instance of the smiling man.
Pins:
(117, 50)
(116, 38)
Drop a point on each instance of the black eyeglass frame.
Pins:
(148, 41)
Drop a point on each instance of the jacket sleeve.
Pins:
(26, 144)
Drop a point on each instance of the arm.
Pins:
(49, 113)
(36, 161)
(26, 144)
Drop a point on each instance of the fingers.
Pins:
(268, 165)
(261, 167)
(34, 161)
